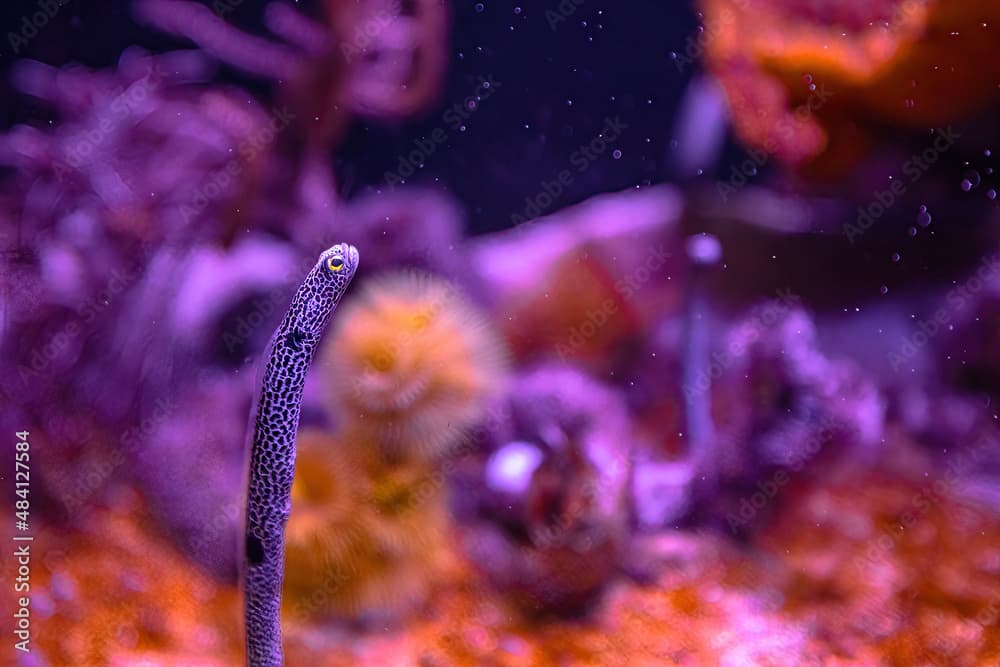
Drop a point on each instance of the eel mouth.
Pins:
(352, 255)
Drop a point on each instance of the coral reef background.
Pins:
(674, 341)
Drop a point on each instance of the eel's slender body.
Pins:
(272, 457)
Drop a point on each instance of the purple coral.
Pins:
(554, 512)
(785, 405)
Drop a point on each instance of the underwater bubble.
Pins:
(517, 10)
(703, 249)
(896, 257)
(971, 180)
(479, 7)
(912, 231)
(991, 194)
(987, 152)
(884, 289)
(908, 103)
(616, 154)
(923, 217)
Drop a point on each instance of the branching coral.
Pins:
(378, 58)
(96, 160)
(413, 370)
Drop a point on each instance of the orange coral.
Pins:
(364, 536)
(812, 83)
(412, 364)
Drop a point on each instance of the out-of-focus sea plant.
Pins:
(139, 296)
(379, 59)
(552, 511)
(813, 83)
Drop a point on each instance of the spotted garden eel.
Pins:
(275, 419)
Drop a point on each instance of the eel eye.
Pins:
(335, 263)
